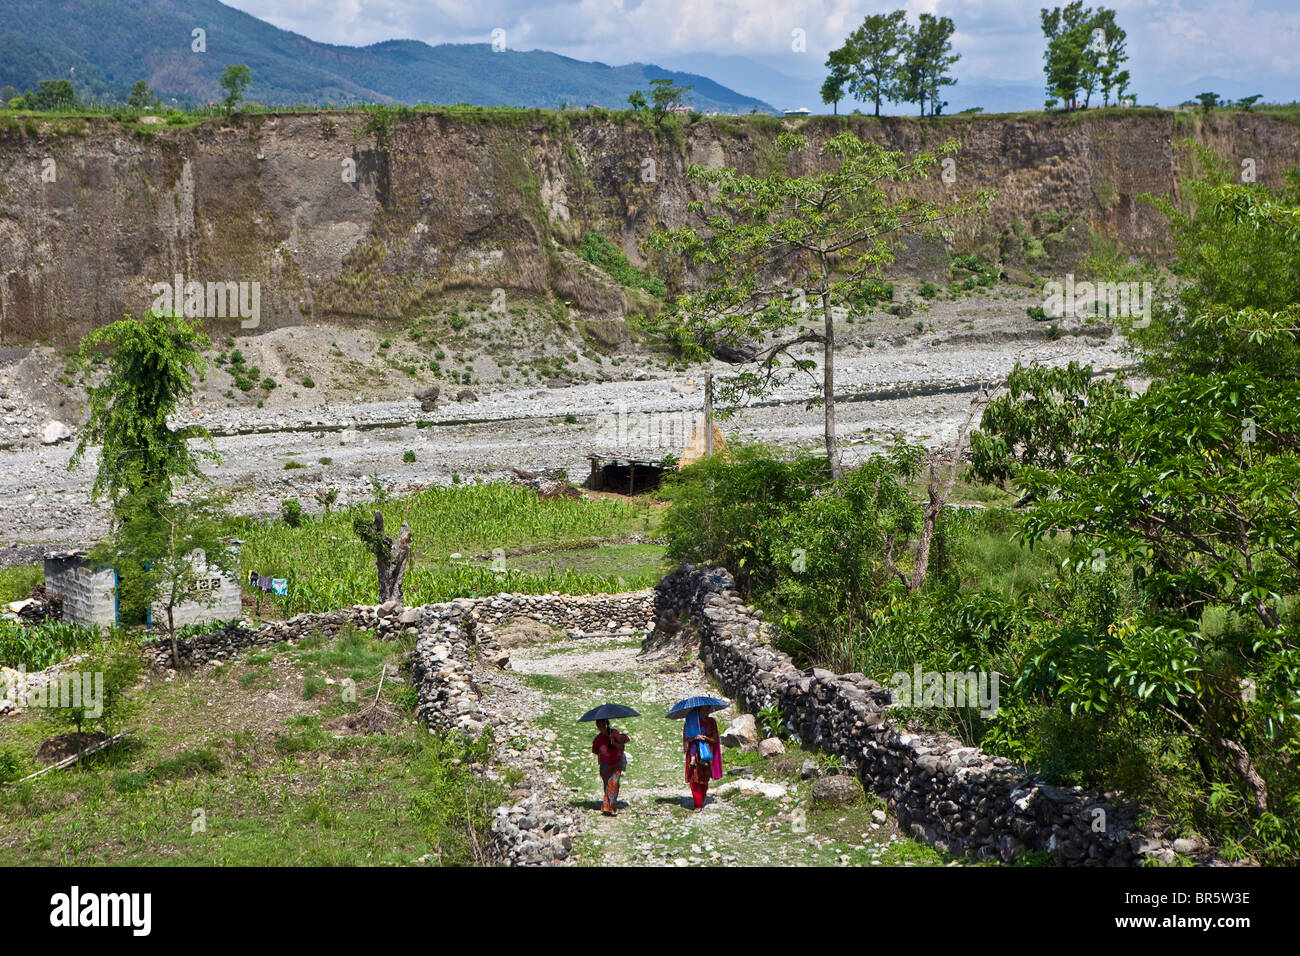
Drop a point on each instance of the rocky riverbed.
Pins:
(892, 378)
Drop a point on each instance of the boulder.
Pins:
(836, 790)
(742, 733)
(55, 432)
(746, 787)
(428, 398)
(770, 747)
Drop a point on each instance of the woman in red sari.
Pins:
(608, 748)
(700, 727)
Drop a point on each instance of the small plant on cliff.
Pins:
(607, 257)
(380, 122)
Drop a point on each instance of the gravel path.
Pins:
(763, 816)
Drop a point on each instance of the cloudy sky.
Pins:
(1172, 43)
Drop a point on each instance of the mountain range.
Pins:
(105, 46)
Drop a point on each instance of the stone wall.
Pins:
(455, 652)
(954, 797)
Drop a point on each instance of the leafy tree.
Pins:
(151, 370)
(234, 80)
(1071, 60)
(142, 98)
(1044, 419)
(1107, 52)
(833, 87)
(769, 247)
(167, 553)
(52, 96)
(1235, 246)
(1246, 103)
(1208, 101)
(636, 99)
(875, 49)
(1205, 508)
(664, 96)
(926, 59)
(1192, 487)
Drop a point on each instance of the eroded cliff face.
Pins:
(339, 225)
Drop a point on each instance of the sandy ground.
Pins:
(356, 425)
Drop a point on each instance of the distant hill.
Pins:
(105, 46)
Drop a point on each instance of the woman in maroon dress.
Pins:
(608, 748)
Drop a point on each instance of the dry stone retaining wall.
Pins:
(954, 797)
(454, 652)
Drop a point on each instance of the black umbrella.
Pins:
(608, 712)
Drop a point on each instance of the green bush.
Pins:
(291, 512)
(603, 254)
(13, 764)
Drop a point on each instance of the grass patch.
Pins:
(224, 777)
(17, 582)
(327, 566)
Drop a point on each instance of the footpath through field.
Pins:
(765, 815)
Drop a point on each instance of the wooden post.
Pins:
(708, 413)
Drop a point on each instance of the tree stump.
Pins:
(391, 557)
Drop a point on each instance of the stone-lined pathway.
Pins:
(765, 817)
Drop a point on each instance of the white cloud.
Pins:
(1168, 39)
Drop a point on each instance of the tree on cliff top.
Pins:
(1085, 48)
(872, 52)
(927, 54)
(768, 247)
(234, 80)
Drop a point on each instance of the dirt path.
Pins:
(761, 813)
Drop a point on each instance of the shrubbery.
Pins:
(606, 256)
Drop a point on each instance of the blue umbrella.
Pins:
(608, 712)
(683, 707)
